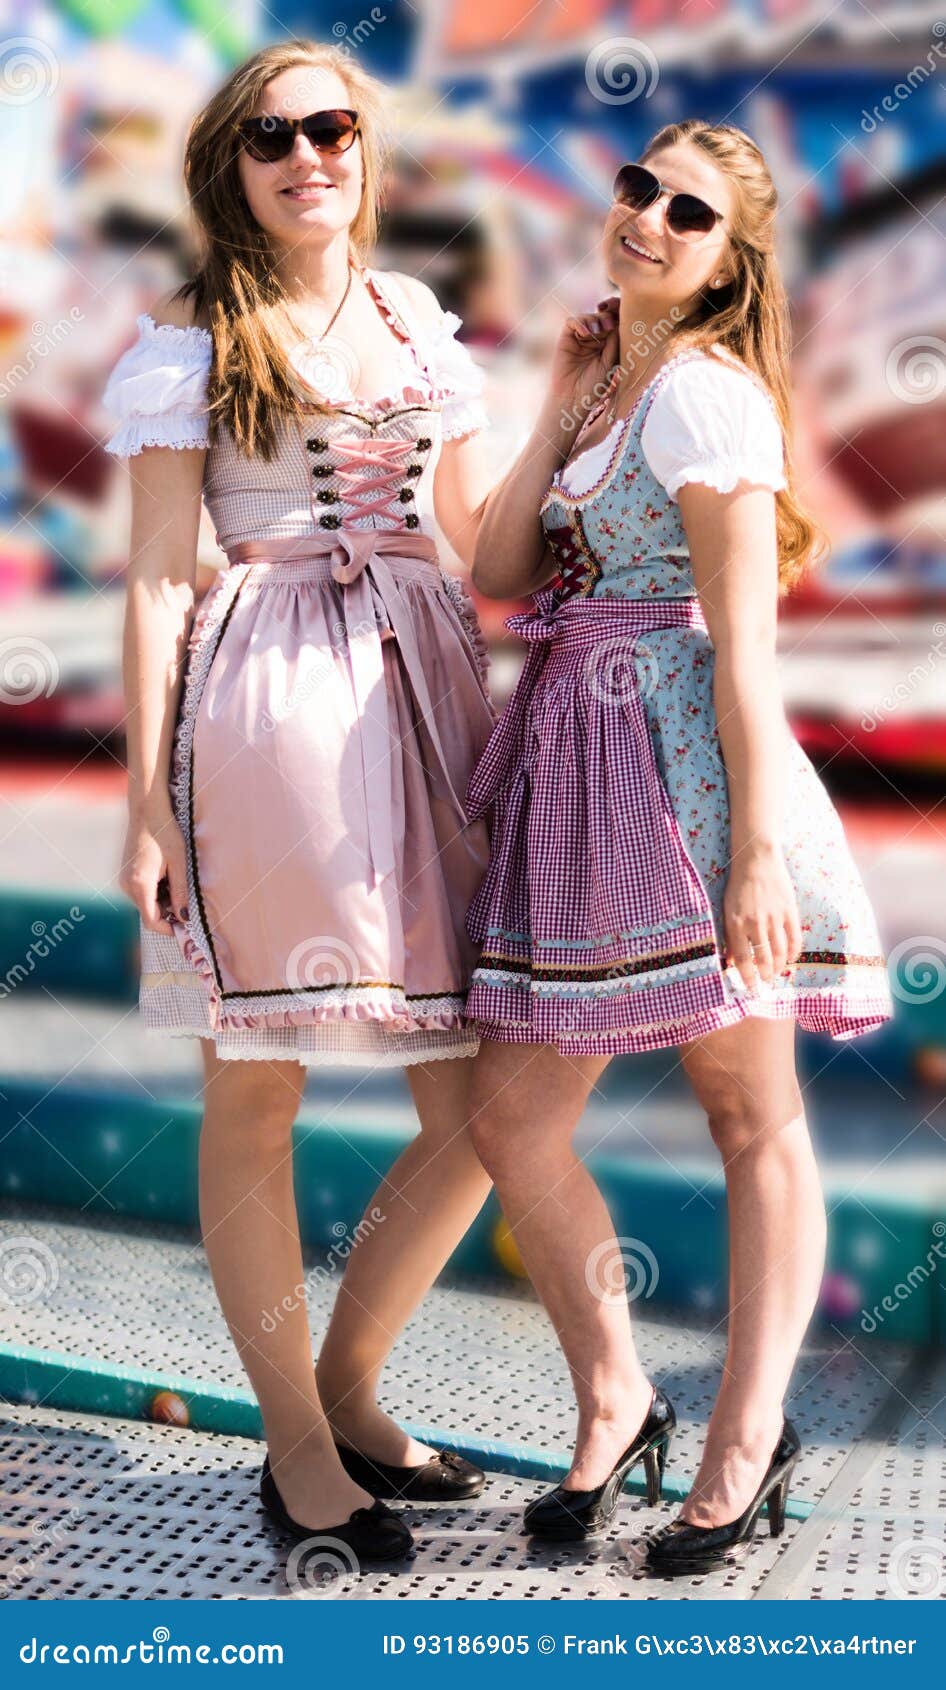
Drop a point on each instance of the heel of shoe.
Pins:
(777, 1499)
(655, 1461)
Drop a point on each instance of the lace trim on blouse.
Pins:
(157, 389)
(710, 422)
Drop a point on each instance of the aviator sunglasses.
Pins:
(687, 216)
(271, 138)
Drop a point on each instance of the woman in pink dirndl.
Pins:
(299, 847)
(666, 867)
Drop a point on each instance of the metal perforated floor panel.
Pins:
(102, 1506)
(892, 1539)
(116, 1508)
(142, 1296)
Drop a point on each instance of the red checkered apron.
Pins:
(591, 915)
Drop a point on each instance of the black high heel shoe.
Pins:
(563, 1514)
(372, 1534)
(684, 1548)
(446, 1477)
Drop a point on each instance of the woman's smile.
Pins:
(631, 244)
(307, 190)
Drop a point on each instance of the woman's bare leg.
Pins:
(527, 1101)
(429, 1198)
(251, 1235)
(744, 1077)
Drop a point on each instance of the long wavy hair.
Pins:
(236, 285)
(750, 315)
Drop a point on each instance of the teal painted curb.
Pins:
(82, 1386)
(68, 941)
(106, 1153)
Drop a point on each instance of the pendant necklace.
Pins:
(326, 373)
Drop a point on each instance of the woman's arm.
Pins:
(462, 478)
(511, 558)
(732, 544)
(462, 481)
(159, 606)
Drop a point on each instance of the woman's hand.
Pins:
(760, 916)
(154, 871)
(585, 353)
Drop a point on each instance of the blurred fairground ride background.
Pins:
(115, 1363)
(511, 120)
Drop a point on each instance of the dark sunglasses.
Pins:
(271, 138)
(687, 216)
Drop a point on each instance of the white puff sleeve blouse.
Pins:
(455, 374)
(713, 423)
(157, 391)
(463, 411)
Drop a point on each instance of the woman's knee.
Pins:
(258, 1104)
(493, 1140)
(738, 1123)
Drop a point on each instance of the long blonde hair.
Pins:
(236, 284)
(750, 315)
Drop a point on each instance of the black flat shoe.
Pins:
(446, 1477)
(683, 1548)
(562, 1514)
(372, 1534)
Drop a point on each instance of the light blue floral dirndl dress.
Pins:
(600, 915)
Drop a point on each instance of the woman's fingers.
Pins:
(739, 951)
(751, 952)
(762, 955)
(146, 895)
(794, 935)
(154, 874)
(177, 877)
(763, 944)
(593, 325)
(744, 963)
(778, 949)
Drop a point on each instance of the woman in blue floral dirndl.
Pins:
(666, 868)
